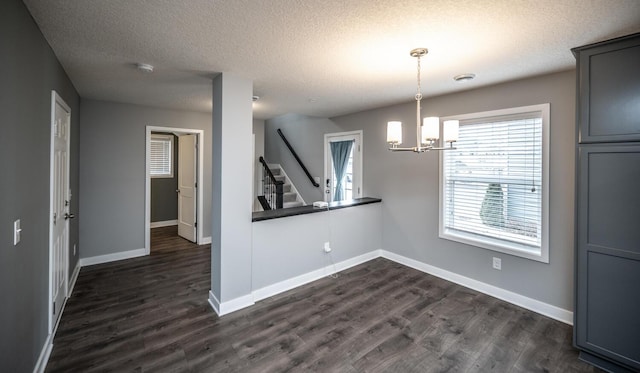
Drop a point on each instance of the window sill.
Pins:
(309, 209)
(523, 251)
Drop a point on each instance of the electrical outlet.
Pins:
(497, 263)
(327, 247)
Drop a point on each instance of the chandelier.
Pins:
(426, 136)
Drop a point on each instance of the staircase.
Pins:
(291, 197)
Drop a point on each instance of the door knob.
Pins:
(177, 190)
(68, 216)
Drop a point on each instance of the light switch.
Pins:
(16, 232)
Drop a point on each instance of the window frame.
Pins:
(492, 243)
(171, 140)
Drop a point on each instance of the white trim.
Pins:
(206, 240)
(531, 304)
(45, 353)
(74, 278)
(43, 359)
(497, 244)
(214, 303)
(147, 181)
(231, 305)
(286, 285)
(112, 257)
(166, 223)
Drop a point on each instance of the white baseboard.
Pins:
(286, 285)
(534, 305)
(206, 240)
(74, 278)
(166, 223)
(214, 303)
(280, 287)
(43, 359)
(229, 306)
(112, 257)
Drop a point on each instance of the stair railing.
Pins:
(272, 189)
(295, 155)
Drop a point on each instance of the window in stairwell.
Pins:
(343, 166)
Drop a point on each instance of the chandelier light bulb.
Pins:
(430, 129)
(451, 130)
(394, 132)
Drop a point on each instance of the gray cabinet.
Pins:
(609, 93)
(607, 318)
(607, 314)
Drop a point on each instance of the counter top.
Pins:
(309, 209)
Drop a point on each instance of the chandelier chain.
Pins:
(419, 93)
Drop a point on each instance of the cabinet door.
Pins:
(608, 256)
(609, 91)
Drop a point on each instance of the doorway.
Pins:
(343, 166)
(60, 199)
(189, 190)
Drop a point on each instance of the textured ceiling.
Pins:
(322, 58)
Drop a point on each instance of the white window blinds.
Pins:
(161, 157)
(492, 184)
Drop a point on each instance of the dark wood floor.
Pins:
(151, 314)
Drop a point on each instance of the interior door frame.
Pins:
(56, 99)
(357, 162)
(147, 182)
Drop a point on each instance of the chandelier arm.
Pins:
(414, 149)
(401, 149)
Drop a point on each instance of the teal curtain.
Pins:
(340, 151)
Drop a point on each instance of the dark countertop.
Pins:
(309, 209)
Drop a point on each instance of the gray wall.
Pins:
(408, 185)
(164, 200)
(28, 71)
(113, 172)
(289, 247)
(306, 135)
(231, 122)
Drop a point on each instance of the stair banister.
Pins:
(295, 155)
(275, 196)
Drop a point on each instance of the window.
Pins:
(494, 186)
(161, 162)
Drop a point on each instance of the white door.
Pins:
(351, 182)
(60, 200)
(187, 147)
